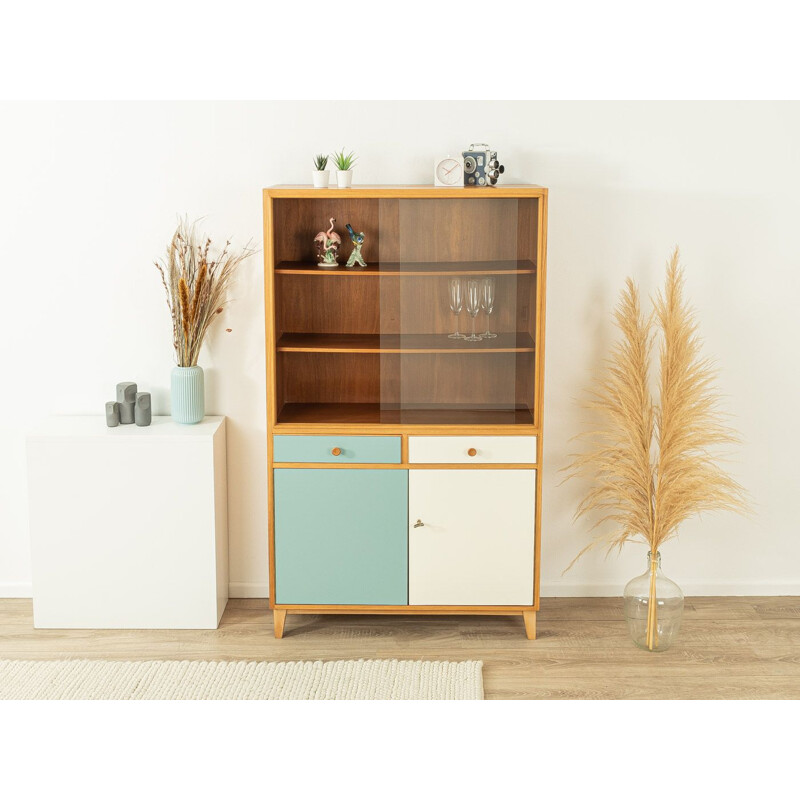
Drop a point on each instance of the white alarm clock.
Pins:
(448, 171)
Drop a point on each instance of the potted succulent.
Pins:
(320, 175)
(344, 168)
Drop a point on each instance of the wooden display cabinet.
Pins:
(403, 464)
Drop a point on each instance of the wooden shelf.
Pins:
(413, 268)
(376, 413)
(396, 343)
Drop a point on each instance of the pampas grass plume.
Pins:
(651, 464)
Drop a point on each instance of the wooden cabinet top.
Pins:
(421, 190)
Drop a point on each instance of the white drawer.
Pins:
(472, 449)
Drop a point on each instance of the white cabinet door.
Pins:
(471, 536)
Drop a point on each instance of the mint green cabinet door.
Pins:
(341, 536)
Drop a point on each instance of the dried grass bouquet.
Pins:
(196, 283)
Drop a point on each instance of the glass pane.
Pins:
(376, 344)
(456, 312)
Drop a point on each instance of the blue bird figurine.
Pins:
(358, 240)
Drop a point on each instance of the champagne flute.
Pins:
(456, 304)
(487, 304)
(473, 306)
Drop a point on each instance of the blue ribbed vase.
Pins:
(187, 396)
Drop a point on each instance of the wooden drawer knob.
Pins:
(337, 451)
(472, 452)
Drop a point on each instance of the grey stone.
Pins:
(143, 411)
(112, 414)
(126, 397)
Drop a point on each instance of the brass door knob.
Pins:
(337, 451)
(472, 452)
(419, 524)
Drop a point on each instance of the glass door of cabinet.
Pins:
(457, 310)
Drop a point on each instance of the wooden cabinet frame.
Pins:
(353, 421)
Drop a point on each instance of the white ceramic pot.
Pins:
(344, 178)
(321, 178)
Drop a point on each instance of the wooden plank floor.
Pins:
(729, 647)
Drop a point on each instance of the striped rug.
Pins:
(241, 680)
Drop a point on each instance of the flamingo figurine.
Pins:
(327, 246)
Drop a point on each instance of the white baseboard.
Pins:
(235, 589)
(16, 590)
(610, 589)
(247, 589)
(605, 589)
(717, 589)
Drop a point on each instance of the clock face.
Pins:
(449, 171)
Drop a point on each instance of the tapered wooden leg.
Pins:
(530, 623)
(279, 620)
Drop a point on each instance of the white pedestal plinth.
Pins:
(129, 526)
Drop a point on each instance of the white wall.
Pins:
(90, 195)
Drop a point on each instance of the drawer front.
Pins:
(472, 449)
(341, 536)
(336, 449)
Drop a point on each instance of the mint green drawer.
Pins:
(352, 449)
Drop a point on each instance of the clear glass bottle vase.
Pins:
(653, 607)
